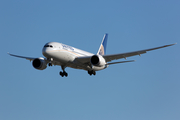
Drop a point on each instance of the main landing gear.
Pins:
(92, 72)
(64, 73)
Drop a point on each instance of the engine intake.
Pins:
(97, 60)
(39, 63)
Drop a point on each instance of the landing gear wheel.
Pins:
(91, 72)
(94, 73)
(50, 64)
(63, 74)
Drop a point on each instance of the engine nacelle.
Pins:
(98, 60)
(39, 63)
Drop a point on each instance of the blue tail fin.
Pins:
(102, 48)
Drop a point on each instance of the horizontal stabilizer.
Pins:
(120, 62)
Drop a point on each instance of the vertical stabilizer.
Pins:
(102, 48)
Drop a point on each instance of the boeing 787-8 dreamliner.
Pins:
(66, 56)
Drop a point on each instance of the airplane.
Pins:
(67, 56)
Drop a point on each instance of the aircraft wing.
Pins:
(111, 57)
(27, 58)
(108, 58)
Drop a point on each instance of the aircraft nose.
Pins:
(46, 51)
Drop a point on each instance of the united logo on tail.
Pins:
(102, 48)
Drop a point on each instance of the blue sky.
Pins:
(147, 89)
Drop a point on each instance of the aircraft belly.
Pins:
(86, 67)
(76, 66)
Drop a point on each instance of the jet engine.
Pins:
(98, 60)
(39, 63)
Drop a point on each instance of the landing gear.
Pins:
(64, 73)
(92, 72)
(50, 64)
(50, 61)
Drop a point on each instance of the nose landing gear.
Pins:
(50, 60)
(50, 64)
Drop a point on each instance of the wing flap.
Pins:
(120, 62)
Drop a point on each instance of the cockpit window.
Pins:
(48, 46)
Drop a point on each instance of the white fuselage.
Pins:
(64, 55)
